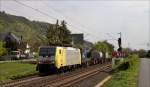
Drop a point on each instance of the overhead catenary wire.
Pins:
(66, 17)
(22, 13)
(45, 14)
(59, 12)
(36, 10)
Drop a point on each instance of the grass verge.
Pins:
(125, 76)
(15, 70)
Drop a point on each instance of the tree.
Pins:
(148, 54)
(142, 53)
(51, 36)
(104, 47)
(59, 35)
(127, 50)
(65, 34)
(110, 47)
(3, 50)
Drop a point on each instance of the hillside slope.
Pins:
(32, 32)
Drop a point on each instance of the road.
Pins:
(144, 75)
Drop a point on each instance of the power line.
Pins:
(66, 17)
(35, 9)
(28, 15)
(112, 38)
(63, 17)
(58, 12)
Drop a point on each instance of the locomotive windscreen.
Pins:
(49, 51)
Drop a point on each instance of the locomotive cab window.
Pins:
(46, 51)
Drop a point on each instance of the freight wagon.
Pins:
(96, 57)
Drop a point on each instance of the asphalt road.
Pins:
(144, 75)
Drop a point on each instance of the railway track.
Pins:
(63, 79)
(76, 78)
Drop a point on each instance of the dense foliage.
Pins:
(126, 74)
(59, 35)
(2, 49)
(141, 53)
(104, 47)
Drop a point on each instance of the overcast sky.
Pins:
(98, 20)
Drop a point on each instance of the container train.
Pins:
(65, 58)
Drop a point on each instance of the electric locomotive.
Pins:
(58, 58)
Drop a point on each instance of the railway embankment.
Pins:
(125, 74)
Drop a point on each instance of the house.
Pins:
(12, 42)
(87, 44)
(77, 39)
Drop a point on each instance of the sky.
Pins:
(98, 20)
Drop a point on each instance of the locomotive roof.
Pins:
(69, 48)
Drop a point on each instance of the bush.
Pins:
(127, 73)
(127, 63)
(3, 50)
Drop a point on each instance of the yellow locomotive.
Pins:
(57, 58)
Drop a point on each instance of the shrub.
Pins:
(127, 63)
(127, 77)
(3, 50)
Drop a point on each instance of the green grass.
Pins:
(10, 71)
(128, 77)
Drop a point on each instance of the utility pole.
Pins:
(120, 34)
(149, 31)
